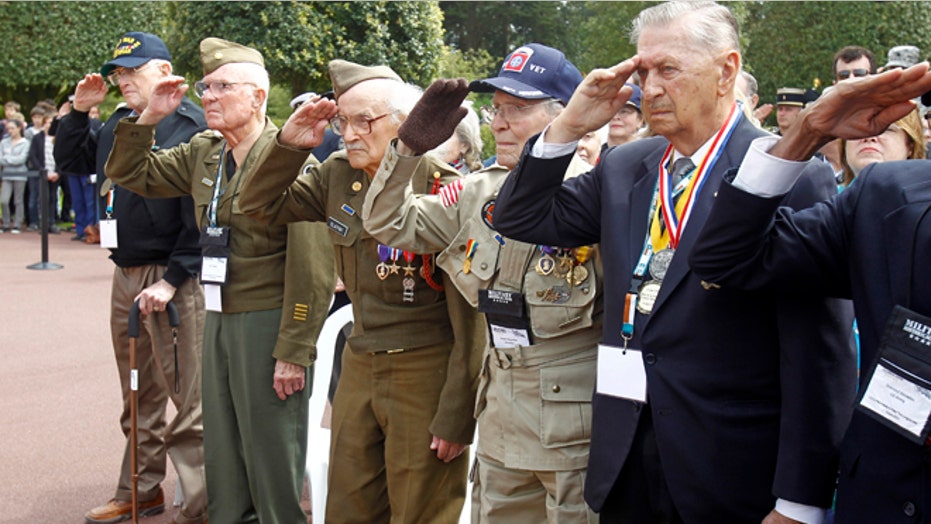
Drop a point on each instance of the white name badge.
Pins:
(213, 270)
(108, 233)
(900, 401)
(213, 297)
(621, 373)
(505, 337)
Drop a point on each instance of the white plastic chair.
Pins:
(318, 438)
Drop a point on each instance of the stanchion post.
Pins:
(43, 222)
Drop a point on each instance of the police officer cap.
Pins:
(345, 74)
(134, 49)
(532, 72)
(216, 52)
(790, 96)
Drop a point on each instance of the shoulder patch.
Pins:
(487, 211)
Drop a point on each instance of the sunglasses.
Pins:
(845, 74)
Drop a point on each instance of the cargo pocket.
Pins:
(557, 308)
(566, 403)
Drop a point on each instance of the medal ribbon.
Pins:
(677, 215)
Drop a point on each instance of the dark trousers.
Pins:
(640, 494)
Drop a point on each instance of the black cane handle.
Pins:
(173, 319)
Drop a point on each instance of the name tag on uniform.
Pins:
(507, 323)
(215, 251)
(621, 373)
(898, 393)
(108, 233)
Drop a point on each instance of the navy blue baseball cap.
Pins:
(134, 49)
(532, 72)
(635, 97)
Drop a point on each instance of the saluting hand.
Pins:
(165, 98)
(304, 128)
(597, 99)
(91, 91)
(435, 117)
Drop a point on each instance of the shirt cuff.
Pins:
(800, 512)
(541, 149)
(764, 175)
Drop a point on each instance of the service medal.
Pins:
(577, 276)
(646, 296)
(545, 265)
(659, 263)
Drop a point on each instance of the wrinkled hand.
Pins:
(778, 518)
(595, 102)
(165, 98)
(304, 128)
(762, 112)
(289, 378)
(435, 117)
(445, 450)
(858, 108)
(155, 297)
(91, 91)
(52, 176)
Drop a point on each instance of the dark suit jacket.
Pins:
(858, 245)
(744, 407)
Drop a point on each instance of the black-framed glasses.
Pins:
(513, 112)
(118, 73)
(217, 88)
(361, 124)
(845, 74)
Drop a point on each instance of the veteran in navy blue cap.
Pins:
(543, 316)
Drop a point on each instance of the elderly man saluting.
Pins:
(267, 289)
(402, 413)
(709, 406)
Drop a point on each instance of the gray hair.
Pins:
(251, 72)
(470, 135)
(400, 98)
(711, 25)
(752, 86)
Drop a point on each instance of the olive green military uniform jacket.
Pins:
(270, 267)
(394, 307)
(564, 317)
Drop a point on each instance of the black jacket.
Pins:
(149, 230)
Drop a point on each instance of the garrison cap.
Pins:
(345, 74)
(134, 49)
(791, 96)
(216, 52)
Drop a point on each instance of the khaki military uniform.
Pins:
(534, 400)
(280, 283)
(413, 361)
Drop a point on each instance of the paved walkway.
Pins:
(60, 441)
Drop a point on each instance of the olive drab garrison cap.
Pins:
(216, 52)
(345, 74)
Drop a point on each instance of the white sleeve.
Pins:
(800, 512)
(541, 149)
(765, 175)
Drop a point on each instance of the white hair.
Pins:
(253, 73)
(711, 25)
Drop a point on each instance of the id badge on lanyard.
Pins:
(215, 250)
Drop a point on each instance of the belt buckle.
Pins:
(394, 351)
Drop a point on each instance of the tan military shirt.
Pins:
(394, 310)
(270, 267)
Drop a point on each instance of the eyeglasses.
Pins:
(217, 88)
(361, 124)
(120, 72)
(845, 74)
(511, 112)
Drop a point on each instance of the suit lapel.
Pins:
(641, 197)
(899, 228)
(731, 157)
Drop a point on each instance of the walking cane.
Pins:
(173, 321)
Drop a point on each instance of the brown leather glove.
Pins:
(436, 115)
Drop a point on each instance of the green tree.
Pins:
(49, 46)
(500, 27)
(793, 43)
(298, 39)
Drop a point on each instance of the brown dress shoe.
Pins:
(119, 510)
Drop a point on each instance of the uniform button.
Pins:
(556, 388)
(649, 358)
(909, 509)
(461, 248)
(484, 265)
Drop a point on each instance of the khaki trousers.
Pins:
(381, 466)
(159, 382)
